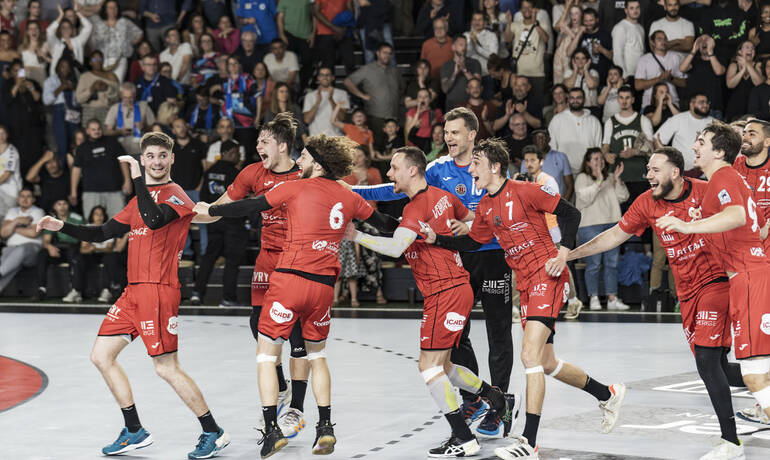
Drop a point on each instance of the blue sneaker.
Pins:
(128, 441)
(492, 425)
(209, 444)
(474, 410)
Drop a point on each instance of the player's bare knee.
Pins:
(550, 365)
(530, 356)
(101, 360)
(165, 368)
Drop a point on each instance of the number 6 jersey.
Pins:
(317, 211)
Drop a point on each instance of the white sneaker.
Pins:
(454, 447)
(617, 304)
(595, 304)
(291, 422)
(284, 399)
(725, 450)
(573, 308)
(72, 297)
(754, 414)
(516, 317)
(104, 296)
(520, 449)
(611, 407)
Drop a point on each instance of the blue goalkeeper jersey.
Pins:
(442, 173)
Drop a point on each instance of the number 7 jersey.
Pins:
(739, 249)
(317, 211)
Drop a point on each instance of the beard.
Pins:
(306, 173)
(700, 113)
(664, 188)
(673, 14)
(576, 107)
(753, 150)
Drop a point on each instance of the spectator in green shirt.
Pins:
(60, 248)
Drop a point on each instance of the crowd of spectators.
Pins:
(592, 85)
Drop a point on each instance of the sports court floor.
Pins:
(379, 402)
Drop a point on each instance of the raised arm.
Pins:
(609, 239)
(91, 233)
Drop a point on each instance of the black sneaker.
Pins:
(272, 441)
(324, 438)
(491, 425)
(195, 299)
(455, 447)
(40, 294)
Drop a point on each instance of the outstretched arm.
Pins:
(383, 222)
(725, 220)
(240, 208)
(390, 246)
(608, 239)
(92, 233)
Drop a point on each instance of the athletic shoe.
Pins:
(291, 422)
(104, 296)
(617, 304)
(209, 444)
(40, 293)
(492, 424)
(611, 407)
(516, 316)
(324, 438)
(228, 303)
(594, 304)
(573, 308)
(754, 414)
(272, 441)
(725, 450)
(72, 297)
(520, 449)
(499, 421)
(128, 441)
(195, 299)
(454, 447)
(473, 410)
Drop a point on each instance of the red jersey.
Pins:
(758, 178)
(317, 211)
(435, 269)
(257, 179)
(515, 215)
(153, 255)
(691, 263)
(740, 249)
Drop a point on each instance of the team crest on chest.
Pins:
(498, 221)
(460, 189)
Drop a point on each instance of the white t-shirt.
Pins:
(628, 40)
(674, 30)
(573, 135)
(175, 60)
(212, 155)
(681, 131)
(280, 70)
(9, 161)
(35, 213)
(321, 124)
(648, 68)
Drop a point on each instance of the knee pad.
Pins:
(755, 366)
(265, 358)
(316, 355)
(557, 369)
(254, 321)
(534, 370)
(430, 373)
(763, 397)
(298, 352)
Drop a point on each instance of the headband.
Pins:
(317, 158)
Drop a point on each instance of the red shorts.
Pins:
(260, 279)
(443, 317)
(705, 317)
(291, 298)
(750, 313)
(542, 295)
(149, 310)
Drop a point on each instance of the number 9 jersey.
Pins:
(758, 178)
(317, 212)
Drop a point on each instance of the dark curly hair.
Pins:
(337, 154)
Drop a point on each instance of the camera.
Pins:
(524, 177)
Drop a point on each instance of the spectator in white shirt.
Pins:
(319, 104)
(482, 42)
(61, 37)
(23, 241)
(575, 130)
(10, 177)
(628, 37)
(179, 55)
(282, 65)
(681, 130)
(680, 32)
(658, 66)
(225, 131)
(581, 75)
